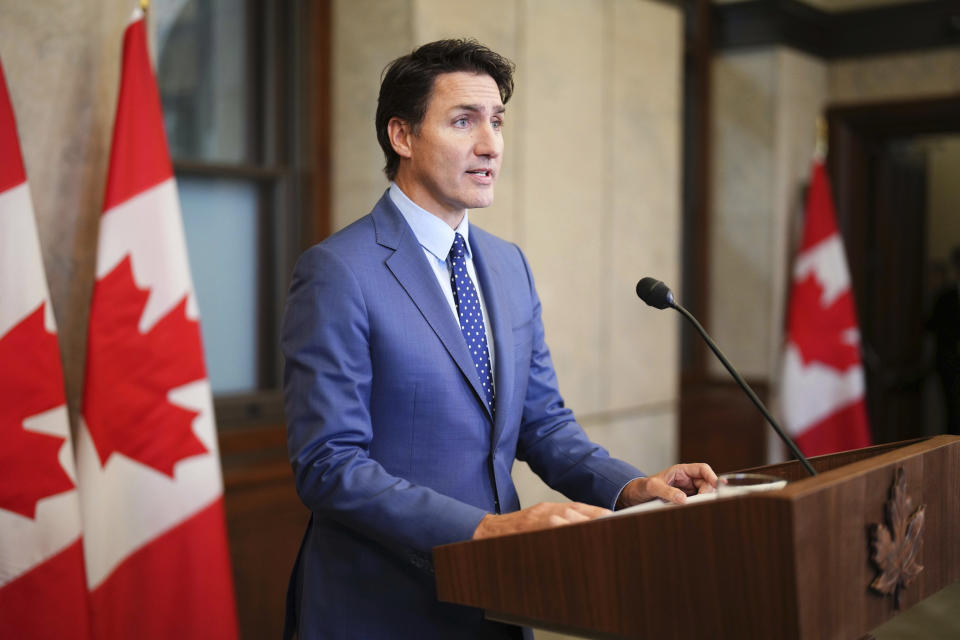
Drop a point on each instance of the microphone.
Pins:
(658, 295)
(655, 293)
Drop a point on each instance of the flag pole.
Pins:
(820, 147)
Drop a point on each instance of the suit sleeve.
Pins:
(327, 386)
(551, 441)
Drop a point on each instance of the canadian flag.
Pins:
(823, 383)
(150, 484)
(42, 588)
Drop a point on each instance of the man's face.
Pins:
(451, 163)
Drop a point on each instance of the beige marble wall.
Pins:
(744, 149)
(589, 189)
(922, 74)
(62, 64)
(763, 124)
(645, 102)
(565, 163)
(361, 48)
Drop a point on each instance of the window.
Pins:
(233, 78)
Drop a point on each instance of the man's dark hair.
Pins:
(407, 84)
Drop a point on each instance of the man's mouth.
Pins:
(480, 172)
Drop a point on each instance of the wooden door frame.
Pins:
(856, 134)
(854, 130)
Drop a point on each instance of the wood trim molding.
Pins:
(900, 118)
(831, 35)
(720, 426)
(853, 129)
(697, 180)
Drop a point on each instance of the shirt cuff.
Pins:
(616, 498)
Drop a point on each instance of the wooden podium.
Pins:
(792, 563)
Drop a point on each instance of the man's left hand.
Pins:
(673, 484)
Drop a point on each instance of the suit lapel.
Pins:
(411, 270)
(493, 289)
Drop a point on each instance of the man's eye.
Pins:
(461, 122)
(497, 124)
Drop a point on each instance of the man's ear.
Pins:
(400, 133)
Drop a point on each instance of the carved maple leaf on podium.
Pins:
(895, 552)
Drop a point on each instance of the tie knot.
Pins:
(459, 248)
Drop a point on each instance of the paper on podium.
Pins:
(653, 505)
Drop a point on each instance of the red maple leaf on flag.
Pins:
(129, 376)
(31, 382)
(819, 331)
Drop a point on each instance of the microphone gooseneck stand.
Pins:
(656, 294)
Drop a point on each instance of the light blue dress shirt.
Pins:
(436, 237)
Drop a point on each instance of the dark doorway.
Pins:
(880, 184)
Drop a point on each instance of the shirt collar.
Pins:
(431, 232)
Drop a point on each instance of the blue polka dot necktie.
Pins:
(471, 318)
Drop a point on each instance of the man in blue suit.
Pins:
(416, 373)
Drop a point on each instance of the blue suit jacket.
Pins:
(392, 447)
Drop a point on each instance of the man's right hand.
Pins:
(539, 516)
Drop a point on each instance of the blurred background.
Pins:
(672, 139)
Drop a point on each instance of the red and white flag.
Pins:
(151, 490)
(823, 383)
(42, 589)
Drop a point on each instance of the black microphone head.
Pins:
(655, 293)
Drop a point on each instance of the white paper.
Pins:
(653, 505)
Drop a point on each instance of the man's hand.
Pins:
(673, 484)
(540, 516)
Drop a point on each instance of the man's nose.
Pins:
(488, 142)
